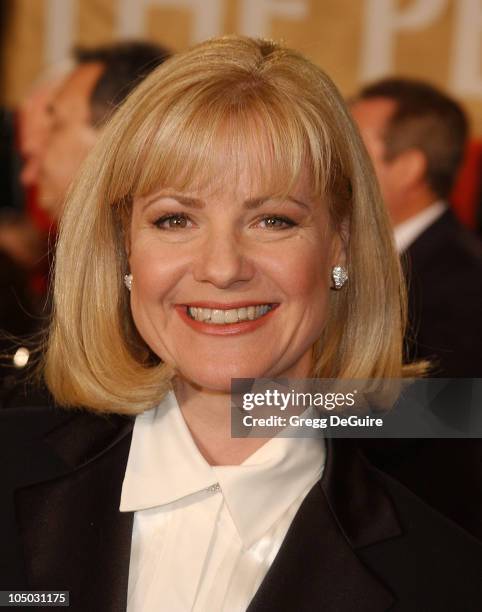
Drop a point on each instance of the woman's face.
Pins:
(232, 282)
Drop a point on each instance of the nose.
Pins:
(223, 260)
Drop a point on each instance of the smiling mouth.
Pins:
(218, 316)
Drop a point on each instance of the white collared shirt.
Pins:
(407, 232)
(205, 536)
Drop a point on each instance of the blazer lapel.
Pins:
(74, 537)
(317, 567)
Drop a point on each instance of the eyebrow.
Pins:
(251, 204)
(257, 202)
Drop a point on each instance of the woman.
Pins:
(228, 225)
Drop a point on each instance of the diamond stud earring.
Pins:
(128, 281)
(339, 276)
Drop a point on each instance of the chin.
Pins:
(218, 378)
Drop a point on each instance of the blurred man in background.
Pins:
(23, 225)
(34, 120)
(87, 98)
(78, 107)
(416, 136)
(78, 110)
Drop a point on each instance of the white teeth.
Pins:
(233, 315)
(217, 316)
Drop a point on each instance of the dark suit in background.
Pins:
(444, 275)
(421, 132)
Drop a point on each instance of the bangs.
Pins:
(205, 139)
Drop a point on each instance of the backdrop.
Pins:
(355, 41)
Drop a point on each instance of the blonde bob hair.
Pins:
(186, 123)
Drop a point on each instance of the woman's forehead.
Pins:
(246, 182)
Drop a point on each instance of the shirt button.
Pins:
(214, 488)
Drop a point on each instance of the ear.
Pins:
(126, 223)
(410, 167)
(127, 241)
(340, 244)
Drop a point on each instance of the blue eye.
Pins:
(277, 222)
(167, 222)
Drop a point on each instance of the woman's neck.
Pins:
(208, 416)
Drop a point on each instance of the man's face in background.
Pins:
(34, 127)
(372, 116)
(71, 136)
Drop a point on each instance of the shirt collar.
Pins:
(165, 465)
(407, 232)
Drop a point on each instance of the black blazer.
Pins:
(359, 542)
(443, 268)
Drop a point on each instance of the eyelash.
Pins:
(288, 223)
(158, 223)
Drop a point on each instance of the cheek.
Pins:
(151, 277)
(157, 275)
(72, 145)
(151, 284)
(388, 186)
(61, 160)
(304, 270)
